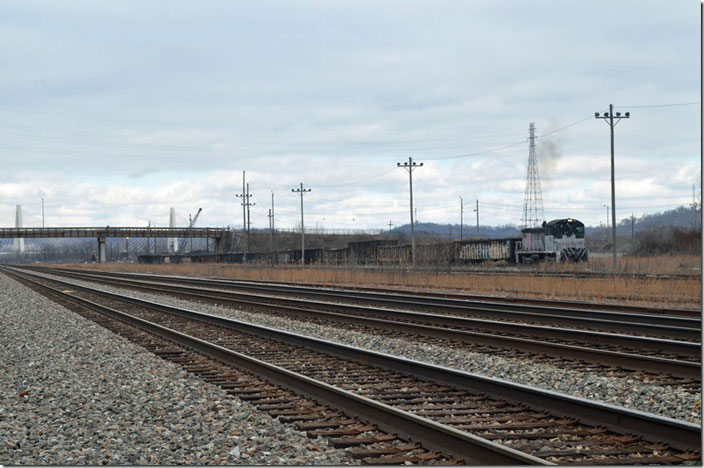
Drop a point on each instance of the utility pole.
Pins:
(43, 208)
(245, 211)
(271, 233)
(608, 117)
(303, 248)
(410, 166)
(477, 211)
(633, 226)
(149, 227)
(461, 216)
(390, 225)
(607, 217)
(694, 205)
(243, 196)
(249, 222)
(271, 218)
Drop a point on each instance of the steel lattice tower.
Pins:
(533, 200)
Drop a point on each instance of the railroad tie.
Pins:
(379, 451)
(544, 435)
(353, 441)
(346, 431)
(313, 416)
(401, 460)
(292, 403)
(667, 459)
(304, 426)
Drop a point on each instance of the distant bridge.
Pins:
(102, 233)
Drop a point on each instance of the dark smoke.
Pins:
(548, 156)
(548, 149)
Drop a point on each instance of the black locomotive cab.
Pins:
(563, 228)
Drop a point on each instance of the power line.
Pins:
(512, 144)
(662, 105)
(477, 153)
(357, 182)
(566, 126)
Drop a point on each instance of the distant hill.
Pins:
(682, 217)
(453, 230)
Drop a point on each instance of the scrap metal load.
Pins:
(558, 240)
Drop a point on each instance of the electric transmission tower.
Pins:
(533, 214)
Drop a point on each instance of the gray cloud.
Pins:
(162, 100)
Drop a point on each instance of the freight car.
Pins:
(364, 252)
(393, 254)
(557, 240)
(334, 256)
(560, 239)
(473, 251)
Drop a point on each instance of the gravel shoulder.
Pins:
(75, 393)
(671, 401)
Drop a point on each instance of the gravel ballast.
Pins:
(670, 401)
(75, 393)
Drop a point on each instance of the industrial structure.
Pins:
(533, 214)
(222, 236)
(18, 243)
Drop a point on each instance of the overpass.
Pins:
(102, 233)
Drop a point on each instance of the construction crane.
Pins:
(191, 223)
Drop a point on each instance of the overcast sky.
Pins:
(114, 112)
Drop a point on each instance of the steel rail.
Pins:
(679, 434)
(431, 434)
(681, 348)
(558, 311)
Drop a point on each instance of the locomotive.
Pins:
(559, 239)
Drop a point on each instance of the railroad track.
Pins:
(667, 361)
(458, 302)
(453, 415)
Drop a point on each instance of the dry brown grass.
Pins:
(673, 292)
(628, 264)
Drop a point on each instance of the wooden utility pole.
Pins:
(477, 211)
(633, 226)
(249, 219)
(243, 196)
(608, 117)
(461, 216)
(271, 223)
(301, 191)
(410, 166)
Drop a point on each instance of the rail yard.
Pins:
(351, 375)
(351, 233)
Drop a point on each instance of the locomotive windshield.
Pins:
(560, 228)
